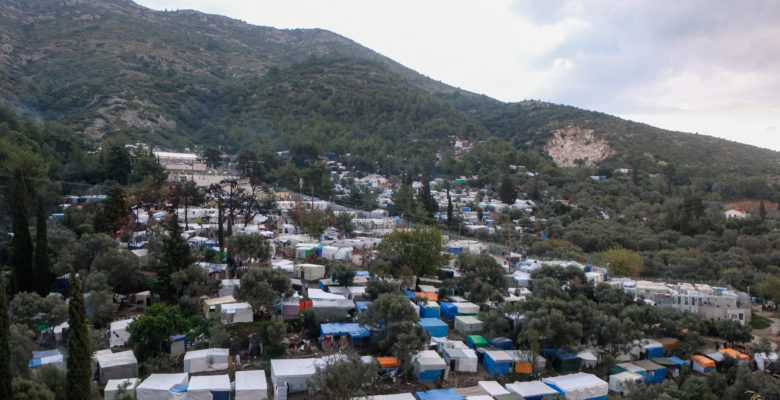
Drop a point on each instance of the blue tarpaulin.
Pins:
(410, 294)
(439, 394)
(429, 376)
(434, 327)
(497, 362)
(449, 310)
(501, 343)
(430, 310)
(362, 274)
(356, 331)
(679, 361)
(362, 306)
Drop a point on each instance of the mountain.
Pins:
(183, 78)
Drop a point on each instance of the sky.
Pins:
(710, 67)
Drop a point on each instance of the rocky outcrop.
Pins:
(574, 143)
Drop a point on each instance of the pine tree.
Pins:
(762, 210)
(5, 351)
(22, 259)
(425, 198)
(449, 207)
(176, 254)
(42, 276)
(79, 358)
(507, 192)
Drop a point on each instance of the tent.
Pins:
(497, 362)
(439, 394)
(228, 286)
(430, 310)
(654, 373)
(501, 343)
(493, 388)
(389, 363)
(235, 313)
(178, 345)
(618, 383)
(158, 386)
(631, 367)
(115, 387)
(251, 385)
(428, 366)
(563, 360)
(702, 364)
(453, 309)
(522, 361)
(579, 386)
(672, 367)
(116, 365)
(588, 359)
(740, 357)
(467, 325)
(319, 294)
(434, 327)
(648, 348)
(362, 306)
(358, 293)
(448, 310)
(678, 361)
(47, 357)
(534, 390)
(397, 396)
(668, 343)
(210, 387)
(332, 308)
(206, 360)
(462, 360)
(355, 332)
(476, 341)
(118, 333)
(212, 305)
(292, 374)
(311, 272)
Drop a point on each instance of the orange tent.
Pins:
(523, 368)
(734, 354)
(430, 296)
(703, 361)
(388, 362)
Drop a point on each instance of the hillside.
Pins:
(108, 67)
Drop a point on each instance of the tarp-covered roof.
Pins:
(341, 329)
(531, 389)
(439, 394)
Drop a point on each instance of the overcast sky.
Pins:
(711, 67)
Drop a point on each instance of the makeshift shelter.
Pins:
(290, 375)
(178, 345)
(118, 334)
(430, 310)
(428, 366)
(468, 325)
(311, 272)
(631, 367)
(654, 373)
(439, 394)
(47, 357)
(362, 306)
(501, 343)
(228, 286)
(397, 396)
(563, 360)
(434, 327)
(620, 382)
(508, 396)
(462, 360)
(116, 386)
(389, 363)
(210, 387)
(212, 305)
(472, 392)
(579, 386)
(679, 361)
(235, 313)
(158, 386)
(332, 308)
(319, 294)
(668, 343)
(740, 357)
(647, 348)
(523, 359)
(497, 362)
(588, 359)
(356, 333)
(476, 341)
(672, 367)
(357, 293)
(206, 360)
(451, 310)
(493, 388)
(251, 385)
(702, 364)
(534, 390)
(115, 365)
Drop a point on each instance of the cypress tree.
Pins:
(22, 259)
(449, 207)
(176, 254)
(507, 192)
(42, 277)
(5, 351)
(220, 229)
(762, 210)
(79, 359)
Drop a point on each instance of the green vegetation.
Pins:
(79, 378)
(760, 322)
(5, 352)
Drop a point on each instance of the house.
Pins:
(251, 385)
(736, 213)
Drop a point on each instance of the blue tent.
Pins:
(501, 343)
(430, 310)
(497, 362)
(434, 327)
(410, 294)
(362, 274)
(449, 310)
(439, 394)
(355, 331)
(654, 373)
(362, 306)
(678, 361)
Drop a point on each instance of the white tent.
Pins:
(119, 334)
(464, 360)
(427, 360)
(579, 386)
(116, 365)
(588, 359)
(319, 294)
(251, 385)
(468, 325)
(236, 312)
(59, 329)
(493, 388)
(292, 373)
(206, 360)
(533, 389)
(618, 383)
(631, 367)
(158, 386)
(114, 386)
(468, 308)
(228, 287)
(47, 357)
(284, 265)
(210, 387)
